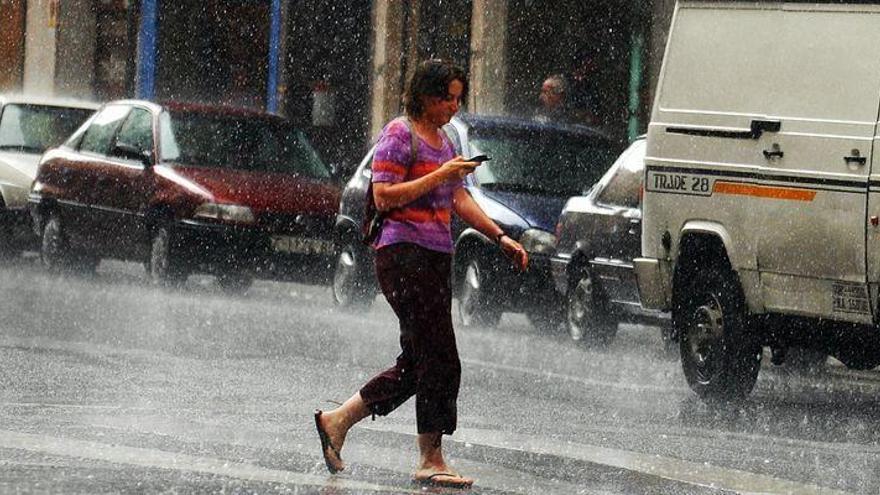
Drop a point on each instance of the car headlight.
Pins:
(538, 241)
(227, 213)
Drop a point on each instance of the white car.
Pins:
(29, 126)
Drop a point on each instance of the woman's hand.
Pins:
(457, 168)
(515, 252)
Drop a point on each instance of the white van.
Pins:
(761, 204)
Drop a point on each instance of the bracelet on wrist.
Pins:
(498, 238)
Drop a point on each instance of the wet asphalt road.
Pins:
(110, 385)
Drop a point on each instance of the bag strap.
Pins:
(413, 141)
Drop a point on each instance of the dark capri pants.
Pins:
(416, 282)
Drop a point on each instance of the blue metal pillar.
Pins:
(147, 47)
(274, 54)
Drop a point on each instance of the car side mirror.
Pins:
(131, 152)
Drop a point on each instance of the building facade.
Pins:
(338, 69)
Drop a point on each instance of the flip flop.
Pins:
(326, 447)
(450, 481)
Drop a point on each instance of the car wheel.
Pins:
(475, 304)
(164, 267)
(351, 289)
(54, 247)
(588, 316)
(719, 356)
(235, 282)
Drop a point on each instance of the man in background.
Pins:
(553, 105)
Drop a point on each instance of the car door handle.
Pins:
(855, 158)
(773, 152)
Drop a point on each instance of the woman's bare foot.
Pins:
(331, 440)
(432, 469)
(334, 425)
(441, 476)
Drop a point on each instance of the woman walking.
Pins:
(413, 265)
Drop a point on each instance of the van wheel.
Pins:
(55, 252)
(588, 316)
(351, 288)
(475, 304)
(164, 267)
(719, 357)
(235, 282)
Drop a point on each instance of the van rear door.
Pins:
(826, 96)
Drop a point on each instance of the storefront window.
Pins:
(11, 44)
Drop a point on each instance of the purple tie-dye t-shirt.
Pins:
(425, 221)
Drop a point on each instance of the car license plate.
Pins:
(301, 245)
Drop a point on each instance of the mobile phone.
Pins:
(478, 158)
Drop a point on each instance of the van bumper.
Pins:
(654, 278)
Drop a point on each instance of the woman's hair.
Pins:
(431, 78)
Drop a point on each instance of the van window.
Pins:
(825, 67)
(776, 60)
(103, 126)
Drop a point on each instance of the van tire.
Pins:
(588, 316)
(719, 355)
(164, 267)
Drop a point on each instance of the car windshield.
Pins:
(540, 162)
(36, 128)
(238, 142)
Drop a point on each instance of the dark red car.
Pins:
(186, 188)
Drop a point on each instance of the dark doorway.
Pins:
(115, 45)
(12, 24)
(327, 69)
(214, 51)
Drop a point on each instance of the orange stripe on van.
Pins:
(769, 192)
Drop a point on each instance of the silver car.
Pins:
(29, 126)
(599, 234)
